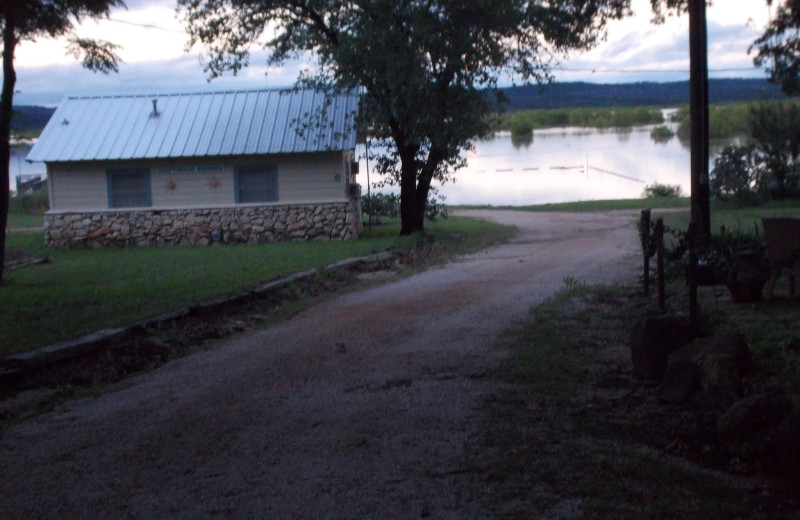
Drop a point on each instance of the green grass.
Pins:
(597, 205)
(81, 291)
(734, 216)
(22, 220)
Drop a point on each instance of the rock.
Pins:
(751, 415)
(680, 381)
(103, 231)
(653, 339)
(724, 359)
(726, 362)
(785, 444)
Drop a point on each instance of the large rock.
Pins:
(654, 337)
(749, 417)
(723, 358)
(680, 381)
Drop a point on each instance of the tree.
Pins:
(774, 129)
(779, 47)
(22, 20)
(429, 69)
(734, 175)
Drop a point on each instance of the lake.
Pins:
(566, 165)
(557, 165)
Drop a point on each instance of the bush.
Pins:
(657, 190)
(35, 204)
(381, 204)
(661, 134)
(775, 133)
(388, 205)
(734, 175)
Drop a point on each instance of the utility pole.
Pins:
(698, 107)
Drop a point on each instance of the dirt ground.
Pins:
(365, 406)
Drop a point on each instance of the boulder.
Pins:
(724, 359)
(748, 417)
(654, 337)
(680, 381)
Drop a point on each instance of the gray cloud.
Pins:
(49, 85)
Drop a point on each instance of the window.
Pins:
(256, 183)
(128, 187)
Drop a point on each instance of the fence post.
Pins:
(645, 236)
(659, 238)
(692, 243)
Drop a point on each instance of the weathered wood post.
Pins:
(645, 236)
(692, 274)
(659, 238)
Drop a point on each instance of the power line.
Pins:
(146, 25)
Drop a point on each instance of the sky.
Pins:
(155, 59)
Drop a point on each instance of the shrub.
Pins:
(34, 204)
(657, 190)
(661, 134)
(382, 204)
(734, 175)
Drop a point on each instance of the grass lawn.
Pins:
(22, 220)
(81, 291)
(734, 216)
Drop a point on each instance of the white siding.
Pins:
(78, 187)
(186, 183)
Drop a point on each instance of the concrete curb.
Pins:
(97, 340)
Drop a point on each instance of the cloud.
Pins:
(49, 85)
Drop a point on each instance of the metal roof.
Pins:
(197, 125)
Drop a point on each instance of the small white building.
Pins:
(194, 169)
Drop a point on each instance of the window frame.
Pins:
(268, 169)
(111, 173)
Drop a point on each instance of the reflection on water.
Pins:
(564, 165)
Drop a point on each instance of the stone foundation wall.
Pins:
(203, 227)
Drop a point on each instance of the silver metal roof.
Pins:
(197, 125)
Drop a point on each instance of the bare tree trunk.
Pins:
(408, 190)
(6, 104)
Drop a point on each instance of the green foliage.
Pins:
(774, 130)
(658, 190)
(523, 122)
(779, 47)
(35, 204)
(725, 121)
(734, 175)
(661, 134)
(381, 204)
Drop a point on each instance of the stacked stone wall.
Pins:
(203, 227)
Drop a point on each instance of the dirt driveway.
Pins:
(362, 407)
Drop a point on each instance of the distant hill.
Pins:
(30, 117)
(578, 94)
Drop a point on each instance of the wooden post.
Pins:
(645, 235)
(691, 241)
(698, 108)
(659, 238)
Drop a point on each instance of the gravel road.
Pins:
(365, 406)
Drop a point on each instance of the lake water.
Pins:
(565, 165)
(557, 165)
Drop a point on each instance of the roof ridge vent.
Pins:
(155, 113)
